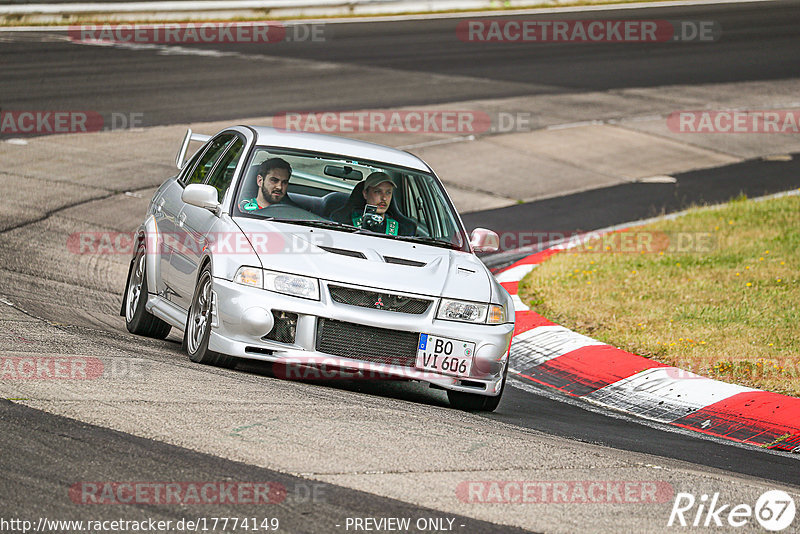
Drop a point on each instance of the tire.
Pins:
(471, 402)
(137, 319)
(198, 326)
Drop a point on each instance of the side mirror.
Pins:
(483, 240)
(202, 196)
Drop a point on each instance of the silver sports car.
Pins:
(334, 258)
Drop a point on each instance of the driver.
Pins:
(273, 182)
(378, 189)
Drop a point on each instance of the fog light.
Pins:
(487, 361)
(257, 321)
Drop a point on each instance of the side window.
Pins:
(442, 222)
(223, 173)
(431, 204)
(413, 201)
(206, 163)
(187, 168)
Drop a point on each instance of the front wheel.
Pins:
(198, 326)
(471, 402)
(137, 319)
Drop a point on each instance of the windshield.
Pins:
(348, 195)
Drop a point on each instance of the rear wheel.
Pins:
(137, 319)
(198, 326)
(471, 402)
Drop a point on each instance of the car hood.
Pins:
(361, 259)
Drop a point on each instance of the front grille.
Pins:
(285, 327)
(367, 343)
(378, 301)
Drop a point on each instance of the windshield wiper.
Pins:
(428, 241)
(319, 224)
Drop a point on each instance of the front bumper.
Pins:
(244, 315)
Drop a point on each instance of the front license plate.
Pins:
(444, 355)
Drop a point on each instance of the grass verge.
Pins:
(715, 292)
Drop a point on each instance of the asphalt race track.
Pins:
(304, 506)
(417, 62)
(367, 449)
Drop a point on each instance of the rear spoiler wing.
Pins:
(185, 145)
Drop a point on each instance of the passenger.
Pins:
(273, 182)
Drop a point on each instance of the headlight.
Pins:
(292, 284)
(249, 276)
(471, 312)
(459, 310)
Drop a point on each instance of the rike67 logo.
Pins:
(774, 511)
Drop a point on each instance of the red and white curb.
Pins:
(578, 366)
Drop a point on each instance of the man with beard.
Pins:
(273, 182)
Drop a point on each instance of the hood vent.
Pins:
(344, 252)
(403, 261)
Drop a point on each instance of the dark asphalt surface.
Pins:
(59, 453)
(758, 42)
(574, 420)
(42, 454)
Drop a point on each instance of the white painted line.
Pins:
(518, 304)
(578, 124)
(659, 179)
(664, 393)
(636, 118)
(165, 50)
(515, 274)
